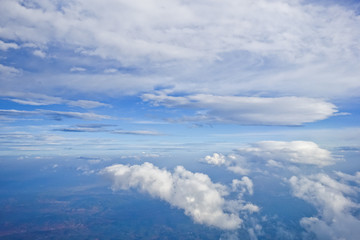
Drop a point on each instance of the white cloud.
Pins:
(28, 98)
(137, 132)
(232, 162)
(266, 28)
(245, 184)
(334, 203)
(215, 159)
(77, 69)
(110, 70)
(248, 110)
(350, 178)
(86, 104)
(273, 163)
(250, 47)
(7, 71)
(238, 169)
(273, 154)
(36, 99)
(57, 115)
(298, 152)
(200, 198)
(5, 46)
(39, 53)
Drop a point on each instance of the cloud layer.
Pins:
(201, 199)
(190, 29)
(221, 48)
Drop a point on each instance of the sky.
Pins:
(190, 91)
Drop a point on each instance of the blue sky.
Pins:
(251, 87)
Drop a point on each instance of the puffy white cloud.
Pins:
(232, 162)
(215, 159)
(248, 110)
(299, 152)
(335, 203)
(200, 198)
(278, 154)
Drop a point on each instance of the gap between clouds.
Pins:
(247, 110)
(195, 193)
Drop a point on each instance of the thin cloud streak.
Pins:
(56, 115)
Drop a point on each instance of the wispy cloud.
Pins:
(108, 128)
(137, 132)
(37, 99)
(77, 69)
(8, 71)
(56, 115)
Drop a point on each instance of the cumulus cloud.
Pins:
(335, 204)
(232, 162)
(248, 110)
(200, 198)
(215, 159)
(273, 154)
(298, 152)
